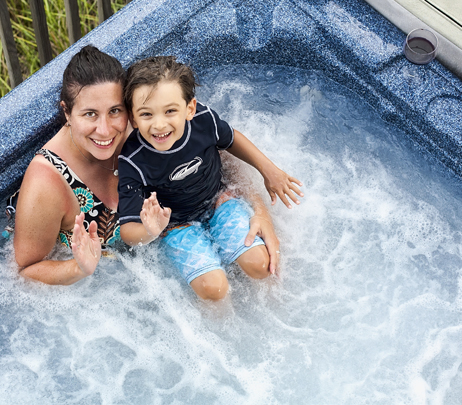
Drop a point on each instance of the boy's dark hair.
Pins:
(87, 67)
(151, 71)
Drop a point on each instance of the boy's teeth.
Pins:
(102, 143)
(162, 135)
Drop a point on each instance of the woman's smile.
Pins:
(103, 143)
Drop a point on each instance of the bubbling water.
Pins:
(367, 308)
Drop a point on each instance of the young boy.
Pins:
(170, 177)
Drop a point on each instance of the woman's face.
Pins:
(98, 120)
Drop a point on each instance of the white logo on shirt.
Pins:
(184, 170)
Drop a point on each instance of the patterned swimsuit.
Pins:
(90, 205)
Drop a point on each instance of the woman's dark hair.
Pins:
(87, 67)
(152, 70)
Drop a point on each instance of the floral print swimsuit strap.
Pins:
(90, 205)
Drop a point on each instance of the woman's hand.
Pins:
(86, 246)
(153, 216)
(261, 225)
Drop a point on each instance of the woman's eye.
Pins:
(90, 114)
(115, 111)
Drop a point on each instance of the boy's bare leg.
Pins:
(211, 286)
(255, 262)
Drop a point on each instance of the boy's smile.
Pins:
(160, 113)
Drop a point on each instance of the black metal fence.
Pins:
(41, 32)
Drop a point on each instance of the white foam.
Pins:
(367, 309)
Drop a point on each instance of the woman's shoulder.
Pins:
(42, 177)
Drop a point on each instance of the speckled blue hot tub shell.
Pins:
(348, 40)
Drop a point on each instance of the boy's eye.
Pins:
(145, 114)
(170, 111)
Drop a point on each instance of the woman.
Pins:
(69, 191)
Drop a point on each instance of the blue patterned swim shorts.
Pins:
(200, 247)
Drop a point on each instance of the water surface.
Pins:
(367, 308)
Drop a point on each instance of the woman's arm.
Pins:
(277, 182)
(45, 203)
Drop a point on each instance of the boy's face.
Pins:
(160, 113)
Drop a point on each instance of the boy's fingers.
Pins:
(285, 201)
(292, 197)
(273, 265)
(249, 239)
(295, 189)
(296, 181)
(273, 197)
(273, 256)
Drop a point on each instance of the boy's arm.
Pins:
(154, 219)
(277, 182)
(260, 222)
(134, 233)
(262, 225)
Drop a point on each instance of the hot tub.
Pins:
(367, 308)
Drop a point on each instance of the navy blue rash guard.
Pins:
(186, 177)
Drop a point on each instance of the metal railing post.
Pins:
(72, 20)
(42, 38)
(104, 10)
(9, 46)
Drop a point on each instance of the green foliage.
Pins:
(23, 31)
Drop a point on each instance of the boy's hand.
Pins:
(263, 227)
(153, 216)
(278, 182)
